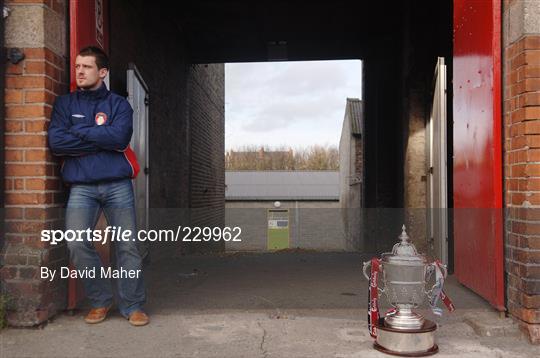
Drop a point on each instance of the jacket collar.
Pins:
(97, 94)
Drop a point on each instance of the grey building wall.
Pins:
(350, 182)
(186, 116)
(163, 63)
(416, 171)
(346, 152)
(207, 166)
(286, 185)
(313, 225)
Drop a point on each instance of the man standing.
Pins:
(91, 129)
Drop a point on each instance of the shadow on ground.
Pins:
(283, 280)
(293, 304)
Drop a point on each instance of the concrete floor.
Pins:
(254, 305)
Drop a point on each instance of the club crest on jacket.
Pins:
(101, 118)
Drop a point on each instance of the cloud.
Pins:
(300, 102)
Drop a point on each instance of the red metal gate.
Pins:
(478, 201)
(88, 25)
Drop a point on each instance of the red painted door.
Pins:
(478, 201)
(87, 26)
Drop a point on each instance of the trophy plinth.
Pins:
(407, 343)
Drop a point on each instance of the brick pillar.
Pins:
(33, 189)
(521, 68)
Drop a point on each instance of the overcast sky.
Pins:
(291, 104)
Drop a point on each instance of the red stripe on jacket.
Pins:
(132, 160)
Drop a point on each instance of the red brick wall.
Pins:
(522, 182)
(33, 190)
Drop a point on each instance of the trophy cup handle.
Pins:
(366, 265)
(368, 276)
(431, 268)
(444, 271)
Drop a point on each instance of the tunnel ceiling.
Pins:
(243, 31)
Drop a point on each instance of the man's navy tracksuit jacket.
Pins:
(91, 130)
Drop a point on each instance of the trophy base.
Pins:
(407, 343)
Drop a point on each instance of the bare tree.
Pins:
(315, 157)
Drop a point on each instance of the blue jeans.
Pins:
(116, 199)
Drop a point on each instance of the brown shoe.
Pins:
(138, 318)
(97, 315)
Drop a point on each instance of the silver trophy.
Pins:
(405, 273)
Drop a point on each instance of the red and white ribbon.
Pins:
(373, 297)
(438, 291)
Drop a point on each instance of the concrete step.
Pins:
(491, 324)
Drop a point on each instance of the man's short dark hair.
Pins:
(102, 60)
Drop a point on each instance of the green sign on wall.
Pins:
(278, 229)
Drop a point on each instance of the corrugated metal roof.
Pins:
(282, 185)
(355, 110)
